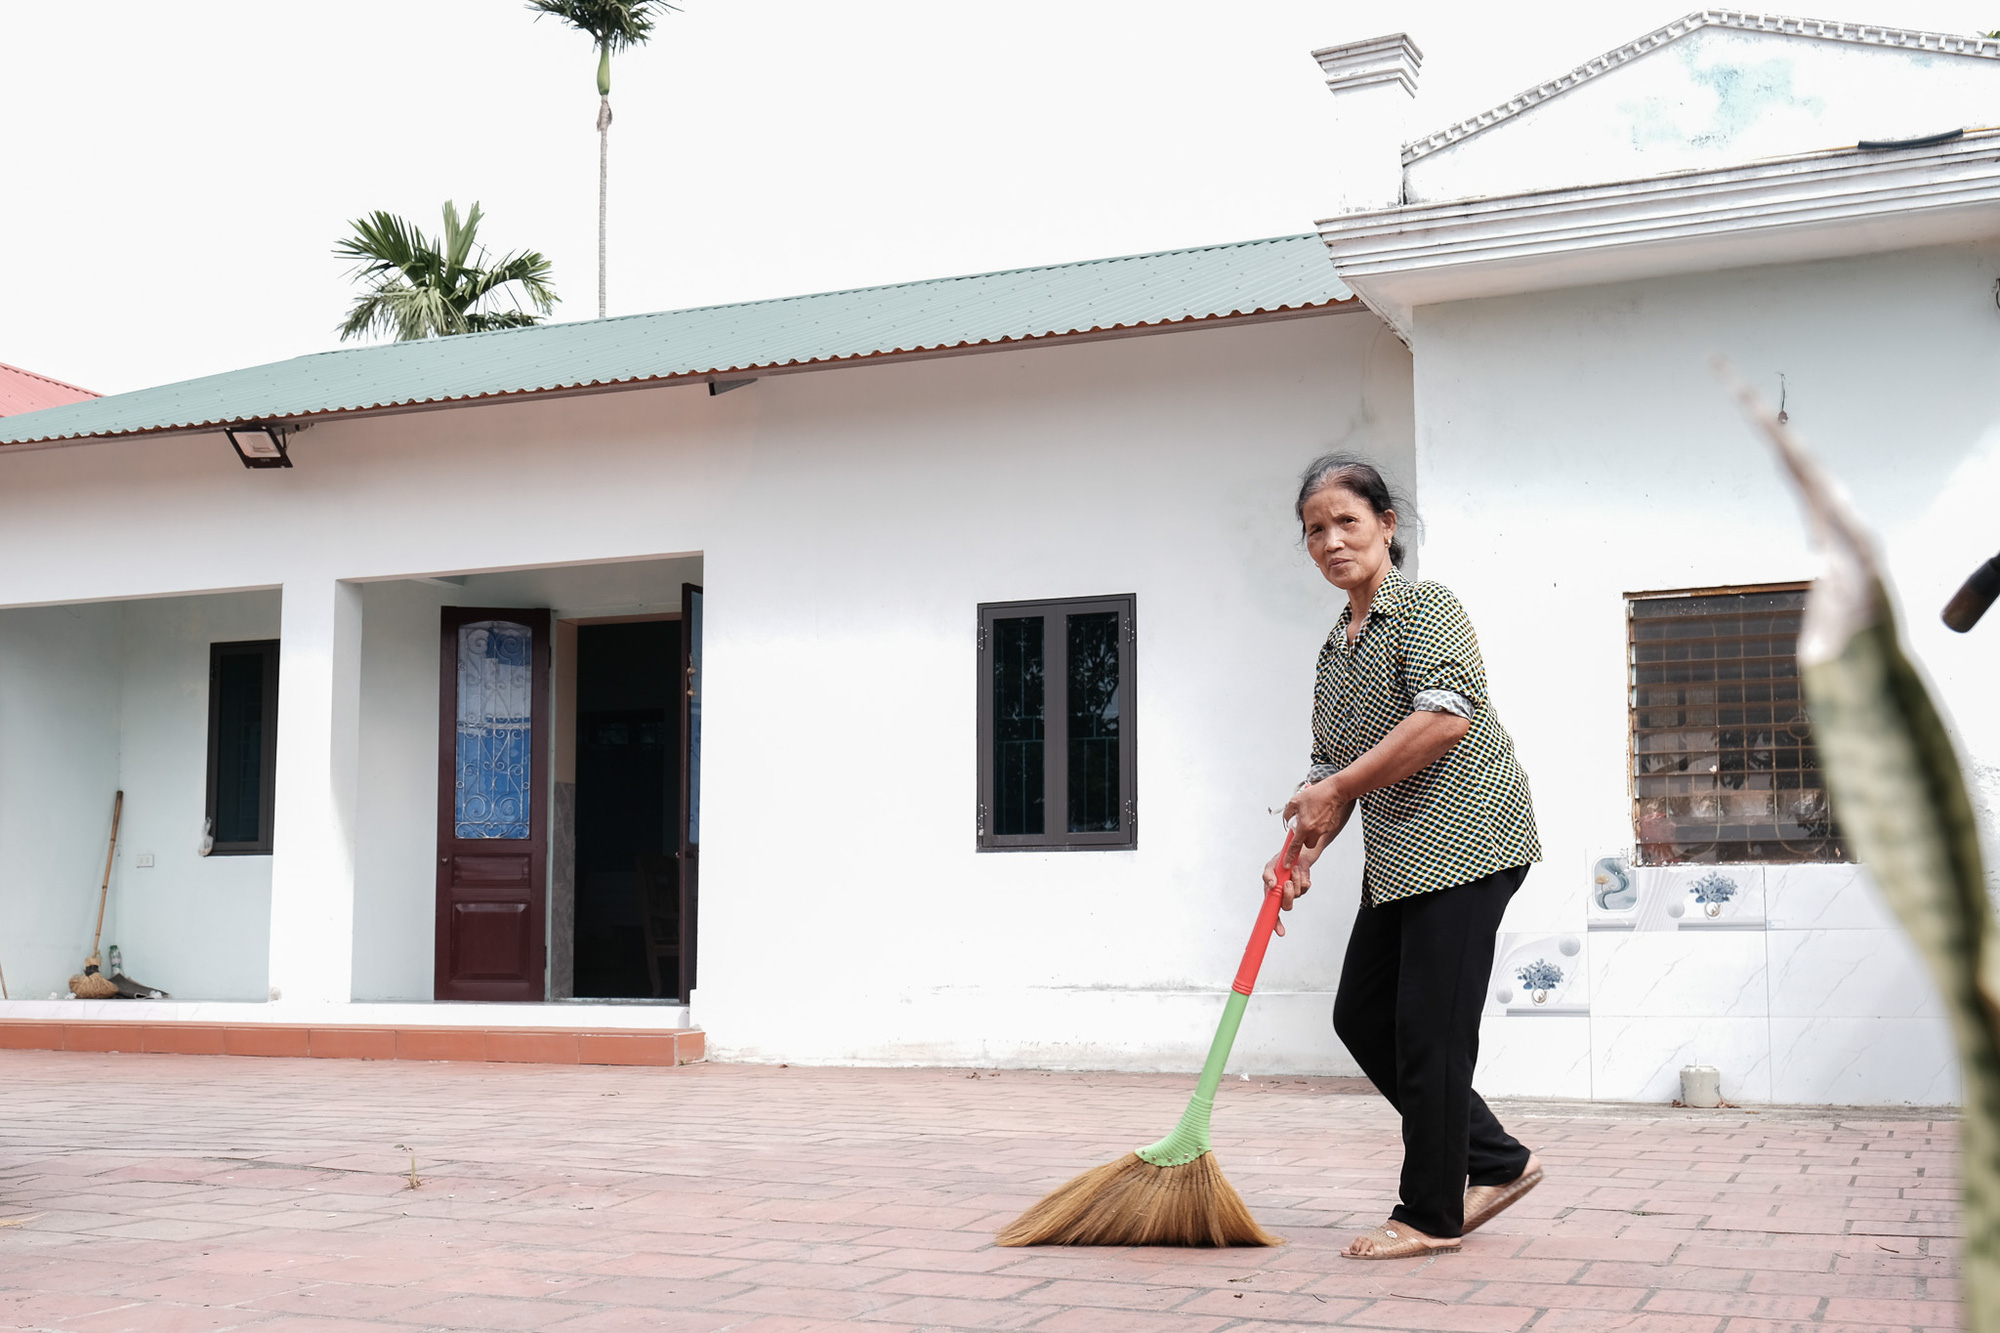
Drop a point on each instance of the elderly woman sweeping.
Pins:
(1403, 726)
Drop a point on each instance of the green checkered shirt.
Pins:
(1467, 815)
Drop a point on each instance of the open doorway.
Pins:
(628, 808)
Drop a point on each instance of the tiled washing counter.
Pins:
(1794, 981)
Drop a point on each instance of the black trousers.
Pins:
(1408, 1010)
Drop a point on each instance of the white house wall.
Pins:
(848, 524)
(196, 926)
(106, 697)
(1574, 446)
(60, 696)
(1716, 97)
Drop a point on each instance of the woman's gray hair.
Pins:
(1351, 472)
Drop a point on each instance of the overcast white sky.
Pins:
(176, 176)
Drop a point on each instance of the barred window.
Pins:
(1723, 765)
(1056, 759)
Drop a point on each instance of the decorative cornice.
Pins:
(1393, 58)
(1814, 206)
(1861, 34)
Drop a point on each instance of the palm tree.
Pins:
(420, 290)
(612, 25)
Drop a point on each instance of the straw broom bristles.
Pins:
(1172, 1192)
(1132, 1202)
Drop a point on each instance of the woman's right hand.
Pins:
(1301, 880)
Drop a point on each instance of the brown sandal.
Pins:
(1483, 1203)
(1393, 1240)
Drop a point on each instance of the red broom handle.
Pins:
(1267, 924)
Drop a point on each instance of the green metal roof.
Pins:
(986, 309)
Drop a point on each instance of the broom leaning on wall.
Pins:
(92, 984)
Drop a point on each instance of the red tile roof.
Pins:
(25, 391)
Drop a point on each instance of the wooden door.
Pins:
(493, 793)
(690, 821)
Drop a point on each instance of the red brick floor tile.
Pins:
(596, 1198)
(1759, 1305)
(1859, 1310)
(1127, 1321)
(440, 1044)
(181, 1039)
(19, 1035)
(278, 1039)
(309, 1323)
(162, 1317)
(791, 1323)
(545, 1048)
(634, 1319)
(623, 1048)
(1296, 1307)
(103, 1037)
(802, 1302)
(1594, 1321)
(947, 1312)
(968, 1286)
(351, 1043)
(1431, 1318)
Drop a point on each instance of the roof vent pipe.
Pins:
(1374, 87)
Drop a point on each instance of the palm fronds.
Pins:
(420, 289)
(612, 25)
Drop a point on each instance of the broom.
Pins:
(91, 984)
(1172, 1192)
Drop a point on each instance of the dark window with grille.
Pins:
(1055, 725)
(242, 746)
(1723, 765)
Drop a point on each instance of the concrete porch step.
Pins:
(515, 1045)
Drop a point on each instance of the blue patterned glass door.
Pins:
(496, 702)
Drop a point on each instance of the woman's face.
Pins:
(1348, 540)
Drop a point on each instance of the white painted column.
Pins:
(1374, 85)
(312, 861)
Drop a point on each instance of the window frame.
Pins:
(1845, 854)
(267, 785)
(1055, 836)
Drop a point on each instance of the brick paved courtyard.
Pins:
(168, 1193)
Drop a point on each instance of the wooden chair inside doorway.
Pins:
(659, 885)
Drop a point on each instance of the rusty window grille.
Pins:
(1723, 764)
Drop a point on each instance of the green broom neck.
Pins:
(1190, 1137)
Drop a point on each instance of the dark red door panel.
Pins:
(492, 890)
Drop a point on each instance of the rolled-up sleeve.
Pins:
(1441, 662)
(1444, 701)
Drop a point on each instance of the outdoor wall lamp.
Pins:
(260, 446)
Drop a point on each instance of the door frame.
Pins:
(693, 678)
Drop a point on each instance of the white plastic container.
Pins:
(1701, 1085)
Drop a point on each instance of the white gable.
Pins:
(1717, 88)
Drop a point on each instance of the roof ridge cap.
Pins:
(48, 379)
(1742, 20)
(851, 291)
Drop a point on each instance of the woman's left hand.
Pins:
(1321, 812)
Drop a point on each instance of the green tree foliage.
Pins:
(417, 289)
